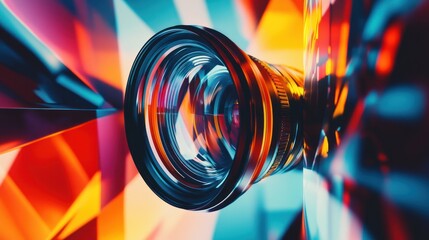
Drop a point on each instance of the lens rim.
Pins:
(252, 105)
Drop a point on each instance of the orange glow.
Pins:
(324, 148)
(17, 212)
(110, 222)
(80, 142)
(337, 138)
(386, 56)
(50, 193)
(73, 163)
(280, 43)
(342, 49)
(84, 47)
(83, 209)
(328, 66)
(187, 113)
(98, 52)
(339, 108)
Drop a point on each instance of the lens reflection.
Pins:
(197, 114)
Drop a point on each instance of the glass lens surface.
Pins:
(196, 111)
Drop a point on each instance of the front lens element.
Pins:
(192, 101)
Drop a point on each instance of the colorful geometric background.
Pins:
(65, 169)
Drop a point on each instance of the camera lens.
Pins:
(204, 120)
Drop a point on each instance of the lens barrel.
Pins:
(205, 121)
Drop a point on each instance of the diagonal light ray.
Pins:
(132, 34)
